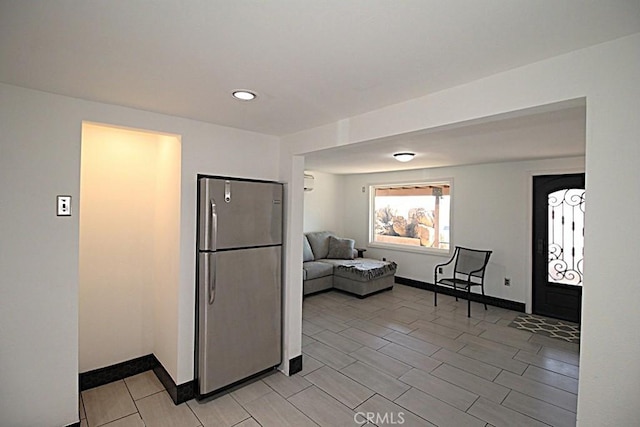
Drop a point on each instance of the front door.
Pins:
(558, 245)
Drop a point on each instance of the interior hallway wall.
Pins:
(129, 224)
(166, 270)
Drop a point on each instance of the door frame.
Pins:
(529, 250)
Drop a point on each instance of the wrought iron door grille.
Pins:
(566, 236)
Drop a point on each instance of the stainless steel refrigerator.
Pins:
(239, 280)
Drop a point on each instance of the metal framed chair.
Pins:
(469, 266)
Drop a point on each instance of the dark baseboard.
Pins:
(496, 302)
(74, 424)
(116, 372)
(295, 365)
(179, 393)
(370, 294)
(321, 291)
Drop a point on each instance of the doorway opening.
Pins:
(129, 245)
(558, 245)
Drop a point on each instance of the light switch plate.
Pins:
(64, 206)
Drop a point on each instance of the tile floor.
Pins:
(392, 357)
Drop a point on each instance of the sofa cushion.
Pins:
(307, 253)
(315, 269)
(319, 241)
(340, 248)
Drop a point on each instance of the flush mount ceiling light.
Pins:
(244, 95)
(404, 157)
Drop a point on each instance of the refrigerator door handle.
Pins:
(208, 229)
(211, 279)
(213, 226)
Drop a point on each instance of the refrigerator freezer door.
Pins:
(239, 214)
(240, 333)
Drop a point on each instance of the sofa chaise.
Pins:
(331, 262)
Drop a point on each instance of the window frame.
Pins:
(409, 248)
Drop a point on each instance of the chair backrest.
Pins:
(471, 261)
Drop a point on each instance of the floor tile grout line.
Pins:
(114, 420)
(548, 385)
(299, 409)
(321, 390)
(82, 409)
(422, 354)
(192, 411)
(241, 405)
(558, 360)
(471, 406)
(437, 398)
(119, 418)
(132, 399)
(394, 401)
(544, 401)
(553, 372)
(529, 415)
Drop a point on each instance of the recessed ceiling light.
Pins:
(403, 157)
(244, 95)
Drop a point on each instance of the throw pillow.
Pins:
(319, 241)
(307, 253)
(340, 248)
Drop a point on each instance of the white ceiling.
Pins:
(311, 62)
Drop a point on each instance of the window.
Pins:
(413, 216)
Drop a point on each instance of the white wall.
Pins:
(292, 171)
(490, 210)
(606, 75)
(324, 207)
(166, 271)
(129, 251)
(40, 158)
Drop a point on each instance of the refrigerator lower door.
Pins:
(240, 326)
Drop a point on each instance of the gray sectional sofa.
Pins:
(331, 262)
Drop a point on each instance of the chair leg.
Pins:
(469, 301)
(435, 295)
(484, 300)
(455, 294)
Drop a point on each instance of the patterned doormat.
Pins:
(553, 328)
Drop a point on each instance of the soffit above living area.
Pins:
(310, 62)
(552, 131)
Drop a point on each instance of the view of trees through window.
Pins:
(413, 215)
